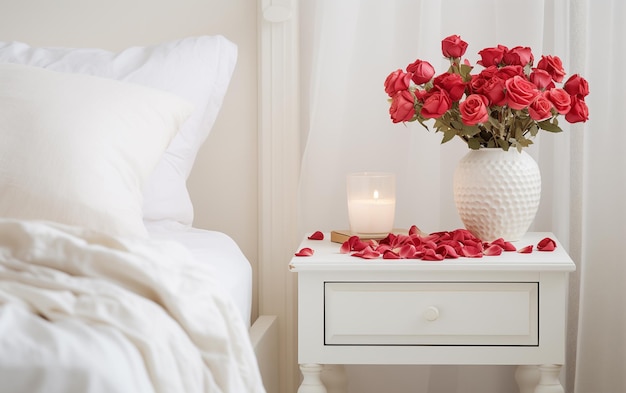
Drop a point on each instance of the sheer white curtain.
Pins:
(601, 350)
(350, 46)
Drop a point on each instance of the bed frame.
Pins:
(249, 163)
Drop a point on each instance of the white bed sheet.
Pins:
(217, 250)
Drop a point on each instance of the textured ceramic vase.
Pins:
(497, 193)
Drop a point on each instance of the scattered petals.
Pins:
(526, 250)
(305, 252)
(546, 244)
(317, 235)
(435, 246)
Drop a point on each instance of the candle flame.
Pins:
(375, 194)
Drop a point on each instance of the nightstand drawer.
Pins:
(431, 313)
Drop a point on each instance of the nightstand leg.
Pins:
(549, 381)
(334, 378)
(527, 378)
(311, 381)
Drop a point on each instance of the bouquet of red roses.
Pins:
(502, 106)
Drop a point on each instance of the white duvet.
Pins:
(83, 312)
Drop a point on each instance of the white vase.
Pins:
(497, 193)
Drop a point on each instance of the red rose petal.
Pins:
(317, 235)
(472, 252)
(367, 253)
(304, 252)
(383, 248)
(359, 245)
(354, 243)
(407, 251)
(546, 244)
(526, 250)
(506, 246)
(389, 239)
(431, 255)
(447, 251)
(493, 250)
(372, 243)
(345, 247)
(415, 231)
(390, 254)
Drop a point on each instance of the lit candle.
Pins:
(371, 202)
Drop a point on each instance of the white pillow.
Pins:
(76, 149)
(197, 69)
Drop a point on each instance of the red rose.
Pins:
(493, 89)
(553, 65)
(541, 79)
(489, 72)
(402, 106)
(396, 81)
(453, 46)
(560, 99)
(474, 109)
(518, 56)
(492, 56)
(476, 84)
(452, 83)
(540, 109)
(520, 92)
(509, 71)
(579, 111)
(576, 85)
(422, 71)
(436, 103)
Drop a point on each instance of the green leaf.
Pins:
(550, 127)
(447, 136)
(456, 124)
(474, 143)
(469, 130)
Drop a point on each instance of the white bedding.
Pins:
(81, 312)
(217, 250)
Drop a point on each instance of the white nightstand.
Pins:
(499, 310)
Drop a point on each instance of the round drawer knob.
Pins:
(431, 313)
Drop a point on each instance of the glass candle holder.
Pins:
(371, 202)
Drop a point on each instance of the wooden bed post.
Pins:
(279, 167)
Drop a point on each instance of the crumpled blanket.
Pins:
(85, 312)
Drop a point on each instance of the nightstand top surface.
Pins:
(328, 257)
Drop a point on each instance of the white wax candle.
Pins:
(371, 215)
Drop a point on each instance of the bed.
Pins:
(101, 239)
